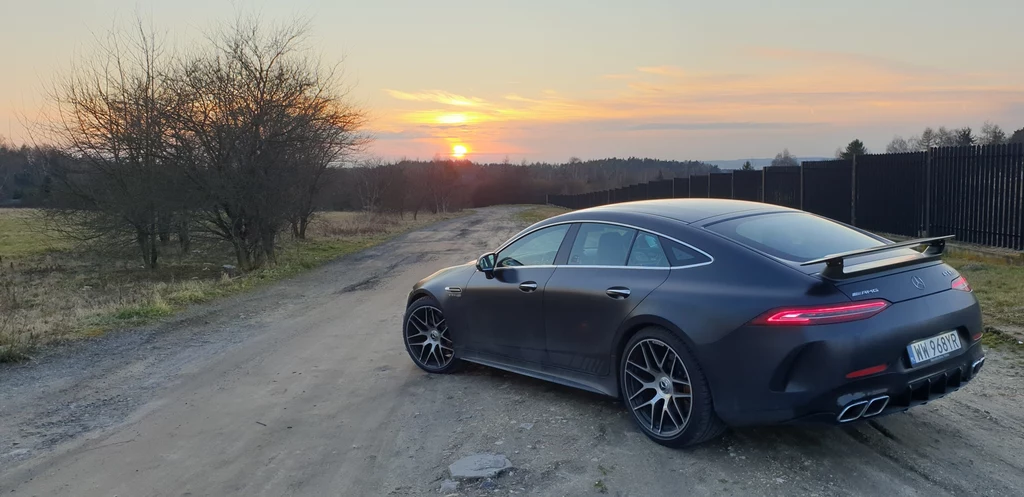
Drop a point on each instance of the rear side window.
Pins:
(601, 245)
(681, 255)
(793, 236)
(647, 252)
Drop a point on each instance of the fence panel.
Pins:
(699, 186)
(976, 194)
(746, 185)
(891, 193)
(660, 189)
(682, 187)
(720, 185)
(828, 188)
(782, 186)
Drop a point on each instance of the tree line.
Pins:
(990, 134)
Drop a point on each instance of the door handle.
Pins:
(528, 286)
(617, 292)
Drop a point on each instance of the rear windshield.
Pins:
(793, 236)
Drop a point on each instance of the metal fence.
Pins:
(975, 193)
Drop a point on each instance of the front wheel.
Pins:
(428, 339)
(666, 391)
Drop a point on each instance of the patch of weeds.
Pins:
(540, 213)
(190, 293)
(144, 312)
(14, 352)
(997, 339)
(600, 486)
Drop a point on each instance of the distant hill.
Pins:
(757, 163)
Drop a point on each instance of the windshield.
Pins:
(794, 236)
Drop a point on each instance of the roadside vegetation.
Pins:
(540, 213)
(53, 291)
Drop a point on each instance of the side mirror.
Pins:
(485, 264)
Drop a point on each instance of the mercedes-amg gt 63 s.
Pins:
(702, 314)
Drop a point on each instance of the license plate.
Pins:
(933, 348)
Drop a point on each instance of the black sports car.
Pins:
(700, 314)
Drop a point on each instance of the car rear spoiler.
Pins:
(835, 264)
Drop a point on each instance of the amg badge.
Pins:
(864, 292)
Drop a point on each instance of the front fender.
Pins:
(434, 285)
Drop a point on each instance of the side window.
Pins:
(601, 245)
(647, 252)
(681, 255)
(536, 249)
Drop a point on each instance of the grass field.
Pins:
(52, 291)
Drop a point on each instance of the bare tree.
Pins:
(371, 183)
(992, 134)
(112, 126)
(259, 122)
(784, 158)
(945, 137)
(441, 181)
(899, 145)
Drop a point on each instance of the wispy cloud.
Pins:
(436, 96)
(697, 126)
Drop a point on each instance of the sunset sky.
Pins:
(546, 80)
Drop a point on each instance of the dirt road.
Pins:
(304, 388)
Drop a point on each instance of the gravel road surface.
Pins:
(304, 388)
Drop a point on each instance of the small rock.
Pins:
(488, 485)
(479, 466)
(780, 480)
(449, 486)
(526, 426)
(499, 442)
(229, 270)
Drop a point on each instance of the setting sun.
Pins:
(459, 151)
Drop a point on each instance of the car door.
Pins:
(506, 311)
(609, 271)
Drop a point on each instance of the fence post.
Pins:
(801, 185)
(928, 193)
(853, 191)
(764, 193)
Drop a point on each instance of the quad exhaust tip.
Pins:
(863, 409)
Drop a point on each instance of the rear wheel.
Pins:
(666, 391)
(428, 339)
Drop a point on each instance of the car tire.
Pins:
(679, 413)
(428, 339)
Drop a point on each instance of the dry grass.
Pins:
(52, 292)
(540, 213)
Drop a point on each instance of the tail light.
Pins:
(832, 313)
(960, 283)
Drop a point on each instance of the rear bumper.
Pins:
(799, 374)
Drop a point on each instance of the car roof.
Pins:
(690, 210)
